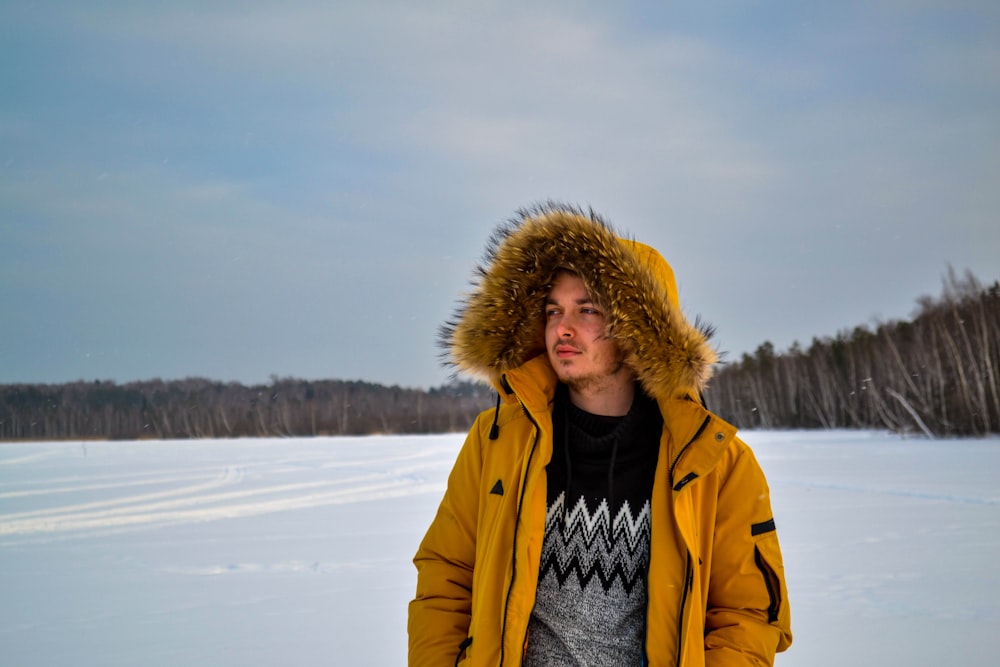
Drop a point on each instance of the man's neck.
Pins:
(611, 398)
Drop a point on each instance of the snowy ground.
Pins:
(266, 552)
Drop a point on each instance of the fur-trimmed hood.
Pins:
(499, 325)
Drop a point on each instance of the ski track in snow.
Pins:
(256, 490)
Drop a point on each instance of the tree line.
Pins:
(200, 408)
(938, 373)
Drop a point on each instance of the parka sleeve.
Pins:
(747, 618)
(439, 615)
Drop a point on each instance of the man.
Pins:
(600, 515)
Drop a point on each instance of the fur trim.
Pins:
(500, 325)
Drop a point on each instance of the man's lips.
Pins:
(564, 351)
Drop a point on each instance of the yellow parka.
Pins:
(716, 587)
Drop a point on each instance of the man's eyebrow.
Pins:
(549, 301)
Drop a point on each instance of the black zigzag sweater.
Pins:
(590, 607)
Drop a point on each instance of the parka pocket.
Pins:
(767, 556)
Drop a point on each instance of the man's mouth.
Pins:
(565, 351)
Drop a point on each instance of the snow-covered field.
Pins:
(297, 551)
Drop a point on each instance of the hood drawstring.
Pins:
(616, 433)
(569, 462)
(611, 479)
(595, 437)
(569, 469)
(495, 428)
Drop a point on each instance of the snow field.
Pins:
(297, 551)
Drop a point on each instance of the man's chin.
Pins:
(574, 380)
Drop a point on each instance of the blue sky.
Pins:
(236, 190)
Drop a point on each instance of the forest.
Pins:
(200, 408)
(937, 374)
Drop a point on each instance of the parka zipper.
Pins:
(517, 520)
(681, 484)
(688, 565)
(688, 582)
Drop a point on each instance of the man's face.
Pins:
(580, 352)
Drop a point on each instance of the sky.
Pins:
(244, 190)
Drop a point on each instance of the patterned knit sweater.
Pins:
(590, 606)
